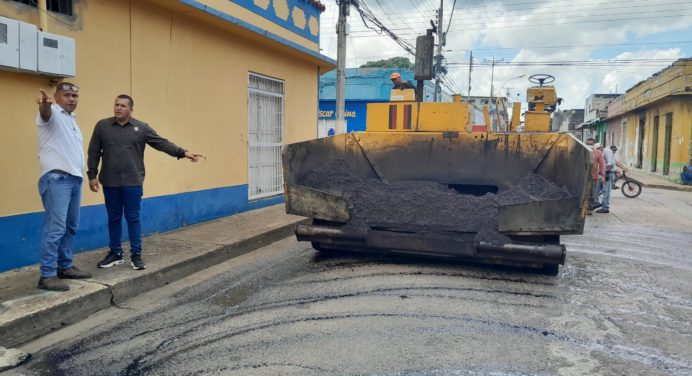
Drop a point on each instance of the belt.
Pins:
(61, 172)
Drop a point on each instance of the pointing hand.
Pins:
(193, 156)
(44, 99)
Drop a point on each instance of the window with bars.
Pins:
(57, 6)
(265, 136)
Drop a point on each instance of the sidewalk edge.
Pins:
(24, 329)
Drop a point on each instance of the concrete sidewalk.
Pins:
(653, 181)
(27, 312)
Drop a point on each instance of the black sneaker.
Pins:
(136, 262)
(602, 210)
(72, 273)
(111, 260)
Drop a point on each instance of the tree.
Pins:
(394, 62)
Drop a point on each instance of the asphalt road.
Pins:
(622, 305)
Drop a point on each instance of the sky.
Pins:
(601, 46)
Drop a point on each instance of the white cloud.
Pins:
(501, 29)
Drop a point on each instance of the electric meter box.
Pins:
(26, 49)
(9, 43)
(56, 55)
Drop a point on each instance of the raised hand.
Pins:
(44, 99)
(44, 105)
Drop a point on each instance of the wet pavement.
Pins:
(622, 305)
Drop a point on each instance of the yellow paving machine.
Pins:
(418, 181)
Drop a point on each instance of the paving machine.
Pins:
(419, 181)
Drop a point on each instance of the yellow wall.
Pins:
(681, 108)
(664, 92)
(188, 79)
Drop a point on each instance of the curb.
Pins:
(681, 188)
(25, 328)
(133, 287)
(94, 296)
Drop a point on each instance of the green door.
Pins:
(654, 145)
(640, 144)
(666, 144)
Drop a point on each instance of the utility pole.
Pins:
(468, 93)
(492, 77)
(438, 58)
(344, 11)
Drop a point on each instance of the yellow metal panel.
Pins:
(434, 117)
(516, 116)
(545, 93)
(536, 122)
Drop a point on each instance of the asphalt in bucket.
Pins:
(425, 205)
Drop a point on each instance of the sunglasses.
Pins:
(66, 87)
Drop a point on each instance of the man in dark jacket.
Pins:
(118, 143)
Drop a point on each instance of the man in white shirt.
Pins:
(61, 153)
(610, 167)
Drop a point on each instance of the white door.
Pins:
(265, 136)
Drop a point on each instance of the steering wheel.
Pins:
(541, 79)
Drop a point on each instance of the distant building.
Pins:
(567, 120)
(596, 106)
(363, 86)
(652, 122)
(595, 112)
(500, 105)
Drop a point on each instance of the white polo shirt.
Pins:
(60, 142)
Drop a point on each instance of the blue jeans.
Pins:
(594, 200)
(61, 196)
(610, 177)
(127, 199)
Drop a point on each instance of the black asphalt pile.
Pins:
(424, 205)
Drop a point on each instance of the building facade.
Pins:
(595, 113)
(567, 120)
(653, 121)
(233, 80)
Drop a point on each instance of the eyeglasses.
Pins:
(65, 87)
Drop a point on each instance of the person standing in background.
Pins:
(597, 175)
(610, 167)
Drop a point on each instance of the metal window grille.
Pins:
(57, 6)
(265, 136)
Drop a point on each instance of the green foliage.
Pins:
(395, 62)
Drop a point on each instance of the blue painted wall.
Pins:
(310, 10)
(246, 25)
(356, 113)
(20, 234)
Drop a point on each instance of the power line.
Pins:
(600, 8)
(529, 24)
(574, 63)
